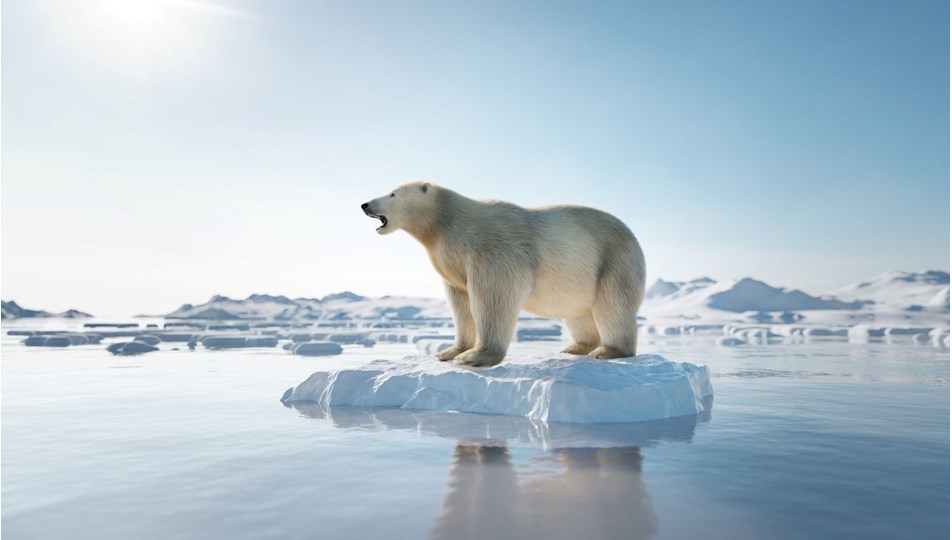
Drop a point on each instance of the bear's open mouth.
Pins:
(382, 218)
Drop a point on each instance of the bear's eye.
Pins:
(393, 194)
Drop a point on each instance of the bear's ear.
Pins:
(425, 187)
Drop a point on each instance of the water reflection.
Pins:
(580, 493)
(498, 430)
(585, 482)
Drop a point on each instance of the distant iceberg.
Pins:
(547, 389)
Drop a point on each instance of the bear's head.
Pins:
(402, 207)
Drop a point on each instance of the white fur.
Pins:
(569, 262)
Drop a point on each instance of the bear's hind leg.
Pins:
(619, 296)
(463, 320)
(584, 335)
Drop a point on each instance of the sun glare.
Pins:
(139, 36)
(133, 14)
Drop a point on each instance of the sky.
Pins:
(157, 152)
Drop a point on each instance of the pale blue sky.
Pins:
(161, 153)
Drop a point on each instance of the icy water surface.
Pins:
(807, 440)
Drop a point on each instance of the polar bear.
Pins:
(564, 262)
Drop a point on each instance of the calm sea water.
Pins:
(809, 440)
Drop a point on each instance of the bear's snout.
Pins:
(372, 213)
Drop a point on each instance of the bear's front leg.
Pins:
(496, 296)
(463, 319)
(480, 357)
(451, 353)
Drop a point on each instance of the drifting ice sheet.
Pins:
(554, 389)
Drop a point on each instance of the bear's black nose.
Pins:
(364, 206)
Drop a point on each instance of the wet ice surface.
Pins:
(821, 439)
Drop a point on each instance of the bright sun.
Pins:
(140, 36)
(133, 13)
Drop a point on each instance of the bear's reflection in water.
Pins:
(584, 482)
(597, 493)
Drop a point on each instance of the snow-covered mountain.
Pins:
(909, 291)
(897, 296)
(344, 305)
(700, 296)
(12, 310)
(662, 288)
(894, 297)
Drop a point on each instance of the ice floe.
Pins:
(316, 348)
(560, 388)
(130, 348)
